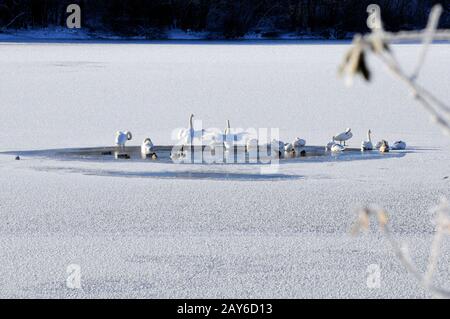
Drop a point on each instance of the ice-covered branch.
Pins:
(378, 43)
(442, 228)
(428, 35)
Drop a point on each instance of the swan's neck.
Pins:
(190, 121)
(227, 129)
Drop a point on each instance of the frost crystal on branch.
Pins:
(442, 221)
(378, 43)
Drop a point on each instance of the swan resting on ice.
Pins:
(344, 136)
(147, 146)
(298, 142)
(337, 148)
(276, 148)
(384, 146)
(289, 148)
(147, 149)
(330, 145)
(367, 145)
(398, 145)
(123, 137)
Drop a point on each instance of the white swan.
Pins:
(186, 136)
(147, 147)
(228, 139)
(288, 147)
(384, 147)
(367, 145)
(344, 136)
(289, 150)
(277, 145)
(398, 145)
(298, 142)
(235, 138)
(330, 145)
(123, 137)
(336, 148)
(178, 155)
(380, 143)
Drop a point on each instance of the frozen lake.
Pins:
(236, 237)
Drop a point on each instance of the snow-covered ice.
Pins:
(144, 229)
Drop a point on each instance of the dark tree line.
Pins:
(220, 18)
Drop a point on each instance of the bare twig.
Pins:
(442, 227)
(377, 42)
(412, 36)
(427, 38)
(14, 20)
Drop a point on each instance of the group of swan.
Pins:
(341, 137)
(366, 145)
(147, 149)
(228, 140)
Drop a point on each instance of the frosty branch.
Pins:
(442, 222)
(378, 43)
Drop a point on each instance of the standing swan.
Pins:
(228, 139)
(123, 137)
(344, 136)
(186, 136)
(367, 145)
